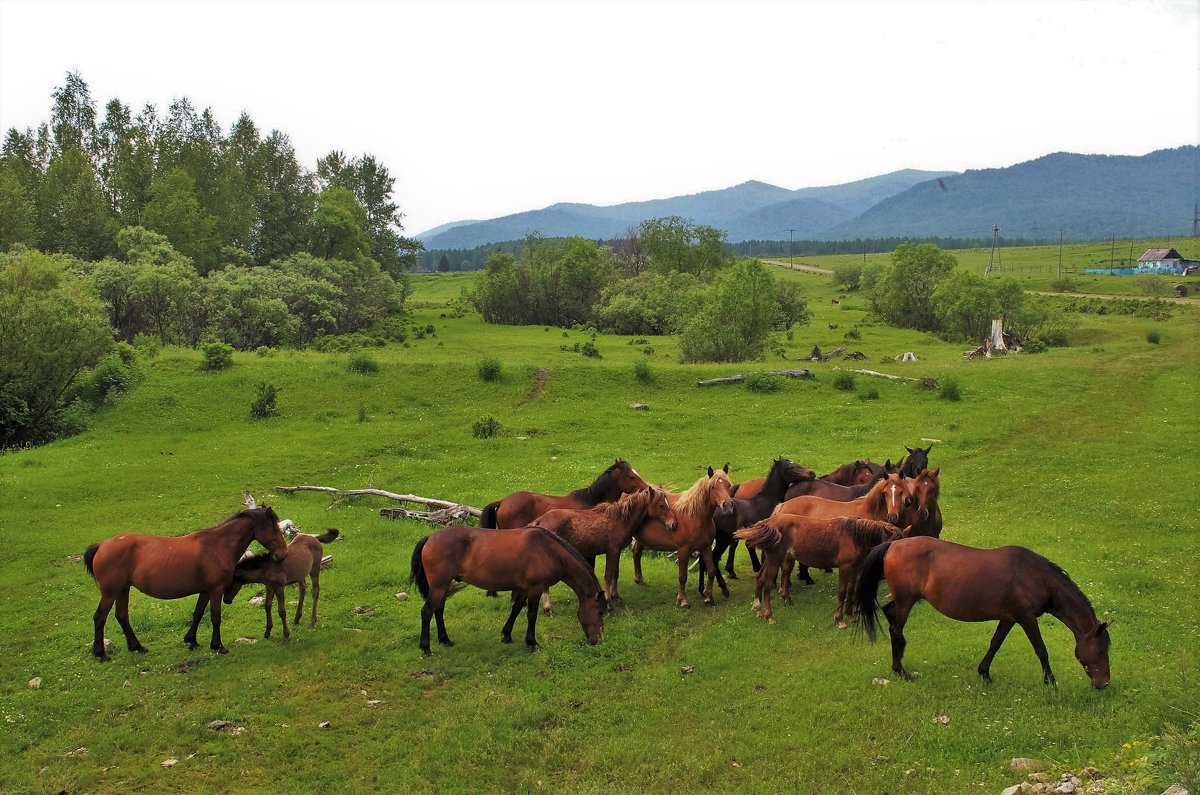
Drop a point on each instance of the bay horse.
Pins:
(303, 560)
(520, 508)
(856, 473)
(525, 560)
(200, 562)
(816, 487)
(921, 509)
(694, 531)
(916, 460)
(1012, 585)
(606, 530)
(841, 543)
(753, 507)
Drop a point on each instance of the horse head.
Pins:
(793, 472)
(718, 490)
(916, 461)
(268, 533)
(1091, 649)
(896, 497)
(657, 507)
(924, 489)
(591, 617)
(628, 479)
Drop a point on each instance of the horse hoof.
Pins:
(770, 620)
(193, 645)
(445, 641)
(684, 603)
(140, 649)
(506, 639)
(731, 575)
(841, 624)
(710, 602)
(426, 652)
(103, 658)
(221, 649)
(531, 647)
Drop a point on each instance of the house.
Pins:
(1164, 260)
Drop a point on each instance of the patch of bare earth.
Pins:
(539, 386)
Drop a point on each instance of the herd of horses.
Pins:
(872, 522)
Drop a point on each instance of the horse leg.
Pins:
(316, 592)
(279, 591)
(765, 584)
(985, 665)
(215, 613)
(721, 542)
(733, 545)
(438, 615)
(267, 607)
(98, 619)
(426, 614)
(844, 578)
(131, 640)
(300, 605)
(754, 561)
(682, 558)
(635, 551)
(720, 580)
(612, 568)
(896, 618)
(519, 598)
(714, 573)
(1030, 625)
(530, 637)
(197, 614)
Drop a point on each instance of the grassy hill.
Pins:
(1085, 454)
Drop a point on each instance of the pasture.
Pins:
(1085, 454)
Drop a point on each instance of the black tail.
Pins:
(868, 585)
(88, 557)
(488, 519)
(329, 535)
(417, 573)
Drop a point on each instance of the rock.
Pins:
(36, 682)
(687, 669)
(127, 684)
(374, 702)
(1022, 764)
(78, 752)
(257, 600)
(246, 640)
(1015, 789)
(402, 596)
(170, 762)
(879, 680)
(639, 407)
(324, 724)
(1175, 789)
(218, 725)
(942, 719)
(362, 610)
(1065, 788)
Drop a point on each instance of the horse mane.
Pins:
(596, 492)
(1064, 579)
(865, 532)
(254, 562)
(875, 494)
(621, 510)
(573, 552)
(260, 514)
(694, 501)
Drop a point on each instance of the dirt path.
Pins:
(805, 268)
(1173, 299)
(539, 386)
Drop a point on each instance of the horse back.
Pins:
(495, 560)
(820, 507)
(748, 488)
(160, 566)
(585, 529)
(811, 541)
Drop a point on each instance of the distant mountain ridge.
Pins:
(1084, 196)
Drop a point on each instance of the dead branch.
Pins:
(382, 493)
(442, 516)
(885, 375)
(730, 379)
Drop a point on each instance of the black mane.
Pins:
(598, 491)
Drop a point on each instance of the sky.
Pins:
(483, 109)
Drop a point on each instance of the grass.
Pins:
(1085, 454)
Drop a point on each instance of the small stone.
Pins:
(374, 702)
(170, 762)
(910, 773)
(688, 669)
(1175, 789)
(218, 725)
(1065, 788)
(36, 682)
(78, 752)
(1023, 764)
(257, 600)
(879, 680)
(942, 719)
(362, 610)
(246, 640)
(735, 763)
(639, 407)
(402, 596)
(127, 684)
(1015, 789)
(324, 724)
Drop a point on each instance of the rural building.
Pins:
(1156, 260)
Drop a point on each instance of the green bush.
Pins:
(1064, 284)
(949, 389)
(853, 334)
(362, 364)
(1153, 337)
(763, 383)
(362, 413)
(590, 350)
(263, 351)
(112, 376)
(1033, 345)
(843, 381)
(486, 427)
(217, 356)
(870, 394)
(488, 368)
(264, 406)
(641, 371)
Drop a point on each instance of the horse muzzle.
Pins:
(894, 518)
(923, 514)
(278, 555)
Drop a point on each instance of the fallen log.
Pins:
(430, 501)
(732, 379)
(885, 375)
(442, 516)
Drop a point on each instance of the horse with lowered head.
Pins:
(520, 508)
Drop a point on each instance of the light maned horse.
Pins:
(1011, 585)
(201, 562)
(525, 560)
(694, 531)
(841, 543)
(520, 508)
(303, 560)
(606, 530)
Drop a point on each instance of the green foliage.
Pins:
(870, 394)
(792, 306)
(903, 293)
(362, 364)
(1174, 757)
(735, 319)
(1064, 284)
(264, 405)
(18, 210)
(590, 350)
(675, 244)
(649, 303)
(848, 275)
(1152, 337)
(112, 376)
(1153, 284)
(641, 372)
(853, 334)
(965, 305)
(486, 427)
(488, 368)
(763, 383)
(556, 282)
(175, 212)
(949, 389)
(217, 356)
(843, 381)
(339, 227)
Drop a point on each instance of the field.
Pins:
(1087, 454)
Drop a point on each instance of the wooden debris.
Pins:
(442, 516)
(885, 375)
(731, 379)
(854, 356)
(476, 512)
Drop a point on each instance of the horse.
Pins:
(916, 460)
(694, 531)
(525, 560)
(824, 543)
(1012, 585)
(816, 487)
(885, 501)
(747, 511)
(520, 508)
(921, 510)
(606, 530)
(856, 473)
(303, 559)
(200, 562)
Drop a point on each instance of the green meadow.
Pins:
(1087, 454)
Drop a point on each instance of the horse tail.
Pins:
(868, 586)
(488, 519)
(417, 572)
(329, 535)
(89, 556)
(760, 534)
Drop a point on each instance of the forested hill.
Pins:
(1088, 197)
(745, 212)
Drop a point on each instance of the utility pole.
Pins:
(1112, 253)
(1060, 237)
(790, 246)
(1196, 220)
(994, 255)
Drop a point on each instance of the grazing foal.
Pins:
(303, 559)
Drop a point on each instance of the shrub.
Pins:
(363, 364)
(590, 350)
(870, 394)
(844, 382)
(113, 375)
(263, 351)
(362, 412)
(641, 371)
(1064, 284)
(263, 406)
(486, 427)
(488, 368)
(949, 389)
(1033, 345)
(217, 356)
(763, 383)
(1152, 337)
(853, 334)
(148, 345)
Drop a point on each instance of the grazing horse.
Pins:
(694, 531)
(200, 562)
(748, 510)
(921, 510)
(916, 460)
(525, 560)
(520, 508)
(824, 543)
(1012, 585)
(303, 559)
(856, 473)
(606, 530)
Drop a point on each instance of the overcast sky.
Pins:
(481, 109)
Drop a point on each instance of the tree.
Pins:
(52, 328)
(736, 317)
(498, 294)
(444, 264)
(17, 210)
(651, 303)
(965, 305)
(339, 227)
(73, 215)
(73, 116)
(283, 200)
(174, 211)
(676, 244)
(902, 294)
(372, 185)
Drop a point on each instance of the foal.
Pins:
(303, 559)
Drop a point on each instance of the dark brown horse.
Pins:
(841, 543)
(302, 561)
(694, 531)
(816, 487)
(525, 560)
(921, 510)
(606, 530)
(756, 506)
(856, 473)
(1012, 585)
(520, 508)
(916, 460)
(170, 568)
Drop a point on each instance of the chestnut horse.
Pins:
(520, 508)
(816, 487)
(921, 509)
(606, 530)
(525, 560)
(857, 473)
(694, 531)
(1012, 585)
(303, 560)
(823, 543)
(755, 506)
(200, 562)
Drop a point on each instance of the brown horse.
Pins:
(916, 460)
(754, 506)
(520, 508)
(526, 561)
(921, 510)
(303, 559)
(1012, 585)
(856, 473)
(170, 568)
(694, 531)
(816, 487)
(606, 530)
(823, 543)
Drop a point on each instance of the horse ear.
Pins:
(910, 450)
(726, 467)
(927, 449)
(710, 472)
(935, 472)
(1103, 626)
(906, 532)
